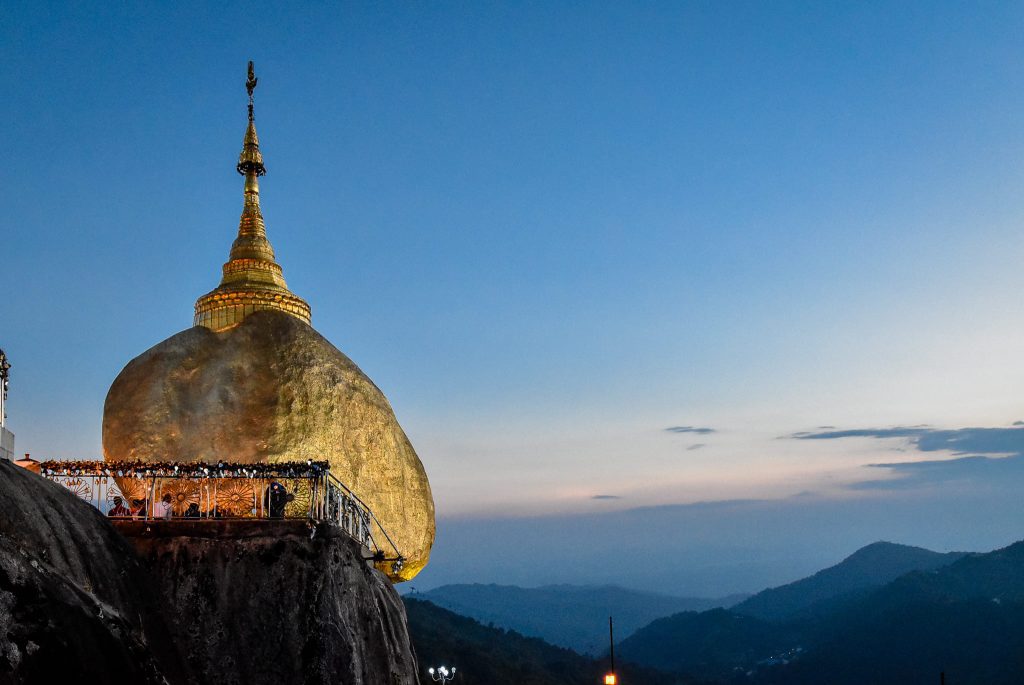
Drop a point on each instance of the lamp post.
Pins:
(611, 678)
(442, 674)
(5, 376)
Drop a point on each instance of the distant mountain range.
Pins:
(962, 615)
(867, 568)
(485, 655)
(570, 616)
(966, 620)
(887, 615)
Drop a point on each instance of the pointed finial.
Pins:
(250, 85)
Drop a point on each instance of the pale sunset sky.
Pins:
(733, 283)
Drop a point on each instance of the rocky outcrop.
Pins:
(278, 602)
(186, 602)
(76, 604)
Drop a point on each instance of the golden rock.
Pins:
(252, 381)
(272, 389)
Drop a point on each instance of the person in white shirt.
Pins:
(164, 510)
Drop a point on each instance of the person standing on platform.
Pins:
(164, 509)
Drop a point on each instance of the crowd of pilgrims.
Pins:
(275, 498)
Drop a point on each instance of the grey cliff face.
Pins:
(75, 601)
(257, 602)
(261, 601)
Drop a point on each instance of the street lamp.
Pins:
(442, 674)
(611, 679)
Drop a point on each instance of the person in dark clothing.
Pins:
(193, 511)
(275, 500)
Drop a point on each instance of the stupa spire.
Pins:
(252, 279)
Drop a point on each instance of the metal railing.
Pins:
(200, 491)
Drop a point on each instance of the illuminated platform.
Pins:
(225, 500)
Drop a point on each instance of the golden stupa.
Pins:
(252, 381)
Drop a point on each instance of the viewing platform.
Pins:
(145, 499)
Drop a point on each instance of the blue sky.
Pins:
(551, 231)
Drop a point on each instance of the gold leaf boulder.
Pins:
(272, 389)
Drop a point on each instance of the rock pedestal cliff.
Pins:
(260, 601)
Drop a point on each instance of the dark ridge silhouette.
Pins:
(867, 568)
(714, 644)
(965, 619)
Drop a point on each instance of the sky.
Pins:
(733, 284)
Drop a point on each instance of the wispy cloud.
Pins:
(984, 456)
(696, 446)
(690, 429)
(963, 441)
(605, 497)
(990, 472)
(831, 434)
